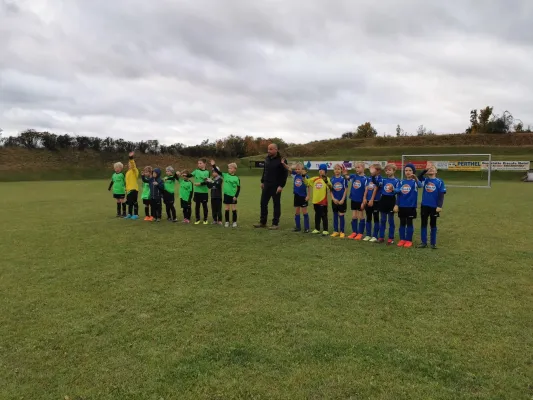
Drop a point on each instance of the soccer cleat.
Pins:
(373, 240)
(134, 217)
(226, 225)
(325, 233)
(422, 246)
(174, 220)
(315, 232)
(366, 238)
(186, 221)
(124, 215)
(214, 223)
(296, 230)
(352, 236)
(151, 219)
(390, 241)
(342, 235)
(434, 247)
(220, 222)
(401, 243)
(359, 237)
(381, 240)
(234, 225)
(197, 222)
(146, 218)
(206, 222)
(169, 219)
(157, 220)
(335, 234)
(306, 231)
(127, 216)
(408, 244)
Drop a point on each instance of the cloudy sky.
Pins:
(188, 70)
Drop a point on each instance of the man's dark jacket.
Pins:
(274, 172)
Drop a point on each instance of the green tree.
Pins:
(365, 130)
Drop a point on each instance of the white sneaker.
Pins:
(373, 240)
(234, 225)
(226, 225)
(366, 238)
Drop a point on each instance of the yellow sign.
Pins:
(464, 165)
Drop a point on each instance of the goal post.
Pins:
(482, 164)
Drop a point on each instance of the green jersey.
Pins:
(146, 191)
(232, 184)
(119, 183)
(200, 175)
(169, 184)
(185, 189)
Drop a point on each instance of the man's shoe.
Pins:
(274, 228)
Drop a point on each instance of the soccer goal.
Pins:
(460, 170)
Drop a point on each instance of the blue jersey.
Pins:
(338, 186)
(372, 184)
(433, 192)
(300, 188)
(357, 187)
(408, 193)
(388, 186)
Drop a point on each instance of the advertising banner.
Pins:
(464, 165)
(506, 165)
(313, 165)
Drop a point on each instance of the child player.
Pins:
(388, 186)
(357, 193)
(201, 191)
(215, 185)
(339, 190)
(232, 188)
(301, 196)
(371, 202)
(186, 193)
(432, 201)
(320, 186)
(132, 188)
(145, 196)
(168, 193)
(157, 186)
(406, 207)
(118, 184)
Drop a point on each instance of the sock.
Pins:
(136, 209)
(118, 208)
(147, 211)
(167, 208)
(226, 214)
(392, 226)
(410, 232)
(234, 215)
(124, 208)
(434, 236)
(424, 234)
(368, 228)
(297, 221)
(173, 212)
(306, 222)
(376, 229)
(382, 225)
(402, 232)
(354, 225)
(341, 217)
(130, 209)
(362, 224)
(335, 222)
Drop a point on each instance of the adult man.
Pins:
(272, 183)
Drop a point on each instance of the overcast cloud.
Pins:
(184, 71)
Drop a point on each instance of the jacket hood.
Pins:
(157, 172)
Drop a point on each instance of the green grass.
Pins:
(95, 307)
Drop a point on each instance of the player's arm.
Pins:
(345, 193)
(284, 174)
(238, 189)
(110, 185)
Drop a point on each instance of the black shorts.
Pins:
(147, 202)
(407, 212)
(356, 205)
(339, 208)
(185, 204)
(201, 197)
(386, 204)
(168, 198)
(427, 212)
(300, 201)
(373, 209)
(229, 200)
(132, 197)
(119, 196)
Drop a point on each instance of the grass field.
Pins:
(97, 308)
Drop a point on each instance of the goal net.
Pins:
(458, 170)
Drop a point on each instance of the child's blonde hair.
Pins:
(185, 172)
(118, 165)
(360, 163)
(232, 165)
(391, 166)
(169, 168)
(296, 165)
(377, 166)
(148, 169)
(338, 165)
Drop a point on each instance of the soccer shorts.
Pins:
(386, 204)
(339, 208)
(427, 212)
(229, 200)
(356, 205)
(147, 202)
(168, 198)
(119, 196)
(132, 196)
(201, 197)
(299, 201)
(407, 212)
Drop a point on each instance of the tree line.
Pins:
(229, 147)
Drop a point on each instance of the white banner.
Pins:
(506, 165)
(442, 165)
(313, 165)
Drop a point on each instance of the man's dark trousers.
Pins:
(267, 193)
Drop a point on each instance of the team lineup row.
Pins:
(373, 199)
